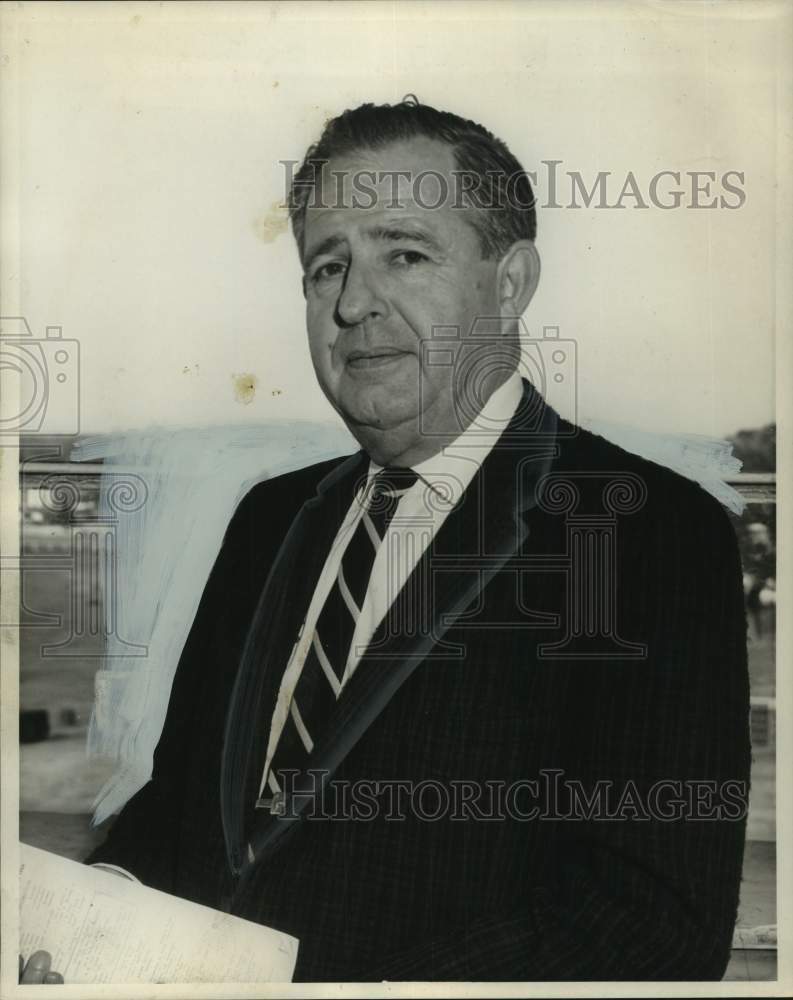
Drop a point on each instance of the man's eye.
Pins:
(326, 272)
(408, 257)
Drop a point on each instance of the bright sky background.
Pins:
(148, 162)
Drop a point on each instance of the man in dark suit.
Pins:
(472, 703)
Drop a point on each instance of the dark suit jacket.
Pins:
(580, 613)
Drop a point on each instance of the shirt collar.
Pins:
(450, 471)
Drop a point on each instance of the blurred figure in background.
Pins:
(759, 558)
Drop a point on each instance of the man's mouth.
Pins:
(375, 357)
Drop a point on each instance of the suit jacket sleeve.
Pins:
(644, 898)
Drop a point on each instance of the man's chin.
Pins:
(383, 435)
(379, 409)
(384, 447)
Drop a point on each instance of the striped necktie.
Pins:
(319, 684)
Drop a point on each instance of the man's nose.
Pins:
(360, 297)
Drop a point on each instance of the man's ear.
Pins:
(517, 278)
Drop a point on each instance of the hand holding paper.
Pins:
(99, 928)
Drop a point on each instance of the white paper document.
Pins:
(100, 928)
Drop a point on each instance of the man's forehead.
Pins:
(376, 222)
(411, 175)
(406, 186)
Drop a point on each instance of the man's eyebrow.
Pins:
(324, 246)
(394, 233)
(391, 233)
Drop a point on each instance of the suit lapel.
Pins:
(474, 543)
(274, 630)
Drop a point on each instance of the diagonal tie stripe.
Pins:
(302, 732)
(370, 529)
(319, 684)
(347, 597)
(325, 664)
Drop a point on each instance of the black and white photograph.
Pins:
(390, 555)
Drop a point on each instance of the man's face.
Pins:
(377, 280)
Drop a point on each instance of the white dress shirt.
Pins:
(421, 511)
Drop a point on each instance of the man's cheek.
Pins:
(322, 334)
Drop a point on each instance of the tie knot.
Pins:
(384, 493)
(393, 481)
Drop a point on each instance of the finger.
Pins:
(38, 965)
(53, 977)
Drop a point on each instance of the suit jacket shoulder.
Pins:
(667, 502)
(278, 499)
